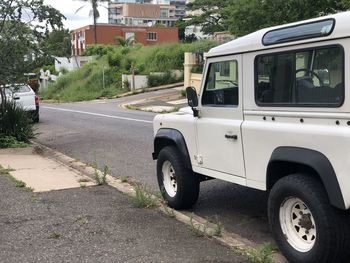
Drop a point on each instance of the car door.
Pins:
(220, 118)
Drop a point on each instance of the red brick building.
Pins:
(106, 34)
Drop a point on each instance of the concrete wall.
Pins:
(191, 79)
(141, 81)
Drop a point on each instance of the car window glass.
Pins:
(221, 86)
(314, 77)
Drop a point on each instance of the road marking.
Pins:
(97, 114)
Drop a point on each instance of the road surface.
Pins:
(102, 132)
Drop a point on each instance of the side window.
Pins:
(313, 77)
(221, 86)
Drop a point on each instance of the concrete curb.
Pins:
(232, 240)
(169, 86)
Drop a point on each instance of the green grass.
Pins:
(20, 184)
(11, 142)
(86, 83)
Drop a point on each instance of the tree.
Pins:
(212, 15)
(23, 24)
(243, 16)
(57, 43)
(94, 13)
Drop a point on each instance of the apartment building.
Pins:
(107, 33)
(134, 14)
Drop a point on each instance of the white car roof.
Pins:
(253, 41)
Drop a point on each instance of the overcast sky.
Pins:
(76, 20)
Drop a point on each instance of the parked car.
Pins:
(273, 114)
(24, 96)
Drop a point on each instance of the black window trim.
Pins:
(300, 38)
(205, 84)
(304, 105)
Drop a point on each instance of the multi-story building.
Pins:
(141, 14)
(179, 6)
(107, 33)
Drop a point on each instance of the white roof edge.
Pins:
(253, 41)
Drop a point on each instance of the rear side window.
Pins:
(221, 86)
(299, 32)
(311, 77)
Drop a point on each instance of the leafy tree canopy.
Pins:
(241, 17)
(23, 25)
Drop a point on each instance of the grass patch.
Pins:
(18, 183)
(263, 254)
(169, 211)
(143, 198)
(86, 83)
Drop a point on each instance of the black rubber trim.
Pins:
(165, 135)
(318, 162)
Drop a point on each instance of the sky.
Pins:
(79, 19)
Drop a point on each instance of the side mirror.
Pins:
(192, 98)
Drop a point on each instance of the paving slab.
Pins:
(39, 172)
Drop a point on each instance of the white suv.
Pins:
(24, 96)
(273, 113)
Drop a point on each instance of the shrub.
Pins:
(15, 122)
(161, 79)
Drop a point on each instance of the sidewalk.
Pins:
(86, 224)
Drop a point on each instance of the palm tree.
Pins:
(95, 4)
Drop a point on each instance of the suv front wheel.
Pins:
(179, 185)
(305, 226)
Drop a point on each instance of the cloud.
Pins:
(80, 19)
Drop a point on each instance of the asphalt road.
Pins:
(102, 132)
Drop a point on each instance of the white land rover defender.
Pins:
(273, 113)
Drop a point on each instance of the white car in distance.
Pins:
(24, 96)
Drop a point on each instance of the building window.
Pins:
(164, 12)
(305, 78)
(152, 36)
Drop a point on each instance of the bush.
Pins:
(161, 79)
(15, 122)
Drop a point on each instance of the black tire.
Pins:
(331, 224)
(36, 118)
(187, 182)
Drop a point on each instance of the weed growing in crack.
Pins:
(55, 235)
(263, 254)
(200, 230)
(82, 220)
(169, 211)
(124, 179)
(100, 179)
(143, 198)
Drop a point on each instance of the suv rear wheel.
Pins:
(305, 226)
(179, 185)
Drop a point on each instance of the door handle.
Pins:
(16, 98)
(232, 137)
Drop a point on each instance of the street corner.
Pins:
(32, 168)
